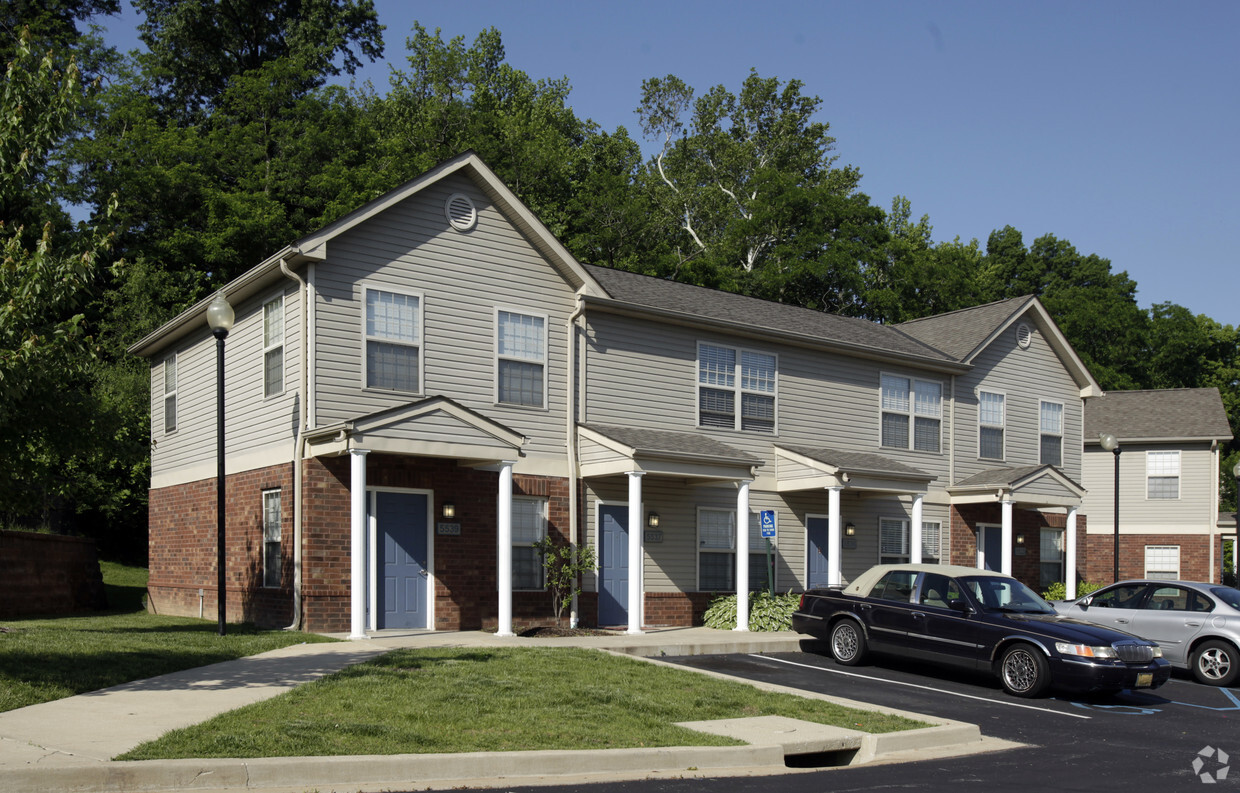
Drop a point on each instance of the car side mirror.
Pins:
(961, 605)
(1085, 601)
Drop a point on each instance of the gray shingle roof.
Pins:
(857, 461)
(661, 443)
(958, 333)
(662, 294)
(999, 477)
(1164, 413)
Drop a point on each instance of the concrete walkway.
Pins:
(67, 745)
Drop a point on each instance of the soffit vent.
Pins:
(461, 212)
(1024, 336)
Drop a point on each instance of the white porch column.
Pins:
(833, 536)
(914, 530)
(1005, 565)
(635, 552)
(357, 543)
(742, 556)
(1069, 549)
(504, 565)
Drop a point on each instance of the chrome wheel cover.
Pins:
(844, 641)
(1020, 670)
(1214, 663)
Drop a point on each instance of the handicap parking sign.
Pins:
(767, 522)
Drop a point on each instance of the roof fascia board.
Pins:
(1167, 439)
(613, 306)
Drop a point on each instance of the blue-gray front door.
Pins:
(992, 548)
(819, 564)
(401, 529)
(613, 590)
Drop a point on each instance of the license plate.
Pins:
(1145, 679)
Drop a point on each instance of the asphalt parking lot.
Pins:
(1166, 739)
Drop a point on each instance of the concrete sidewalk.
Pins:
(67, 745)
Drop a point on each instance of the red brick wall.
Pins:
(48, 574)
(1194, 556)
(680, 609)
(1027, 522)
(182, 526)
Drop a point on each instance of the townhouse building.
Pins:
(418, 391)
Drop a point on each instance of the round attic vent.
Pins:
(1024, 336)
(461, 213)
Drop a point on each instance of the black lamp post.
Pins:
(220, 319)
(1111, 444)
(1235, 547)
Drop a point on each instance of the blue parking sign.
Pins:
(767, 520)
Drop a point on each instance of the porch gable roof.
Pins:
(1032, 485)
(609, 450)
(812, 468)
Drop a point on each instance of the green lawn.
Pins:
(46, 659)
(491, 700)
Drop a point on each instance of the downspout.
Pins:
(570, 432)
(300, 444)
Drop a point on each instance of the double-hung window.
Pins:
(912, 409)
(736, 388)
(1162, 475)
(170, 394)
(393, 339)
(529, 525)
(273, 347)
(1050, 442)
(272, 564)
(521, 358)
(894, 541)
(1051, 557)
(717, 551)
(990, 421)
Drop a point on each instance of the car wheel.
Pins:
(1215, 663)
(1024, 672)
(848, 643)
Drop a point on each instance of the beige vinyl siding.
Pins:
(252, 422)
(1026, 378)
(462, 278)
(1194, 509)
(642, 373)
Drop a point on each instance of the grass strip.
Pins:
(47, 659)
(492, 700)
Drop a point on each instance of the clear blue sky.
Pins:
(1111, 123)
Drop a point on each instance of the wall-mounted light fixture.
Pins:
(449, 510)
(1020, 539)
(652, 520)
(850, 530)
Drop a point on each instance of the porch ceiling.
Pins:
(609, 450)
(815, 468)
(1027, 486)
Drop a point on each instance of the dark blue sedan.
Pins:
(976, 619)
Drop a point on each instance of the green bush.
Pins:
(766, 612)
(1059, 590)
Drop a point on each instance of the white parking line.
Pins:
(915, 685)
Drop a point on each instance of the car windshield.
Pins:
(1228, 595)
(1007, 595)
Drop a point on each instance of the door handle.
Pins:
(919, 615)
(1192, 624)
(1121, 621)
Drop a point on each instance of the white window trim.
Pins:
(737, 389)
(912, 413)
(176, 381)
(496, 357)
(1002, 425)
(543, 502)
(278, 493)
(1063, 420)
(420, 345)
(1179, 474)
(1146, 561)
(269, 348)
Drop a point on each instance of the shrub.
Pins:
(766, 612)
(1059, 590)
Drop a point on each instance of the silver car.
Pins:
(1197, 625)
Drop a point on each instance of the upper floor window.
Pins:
(393, 339)
(521, 358)
(170, 394)
(911, 409)
(736, 388)
(529, 525)
(273, 346)
(990, 420)
(272, 564)
(1050, 442)
(1162, 475)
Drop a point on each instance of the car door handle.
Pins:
(866, 606)
(1192, 624)
(1121, 621)
(919, 615)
